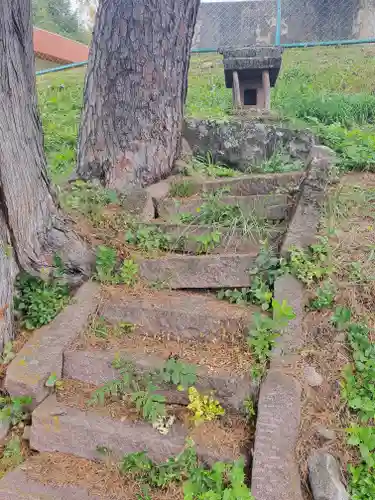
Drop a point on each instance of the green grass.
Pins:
(60, 99)
(328, 88)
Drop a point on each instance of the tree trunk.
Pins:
(30, 221)
(135, 91)
(8, 271)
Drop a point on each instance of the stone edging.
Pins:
(275, 474)
(43, 353)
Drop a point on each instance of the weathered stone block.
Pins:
(291, 338)
(186, 153)
(4, 429)
(252, 51)
(249, 63)
(325, 477)
(275, 474)
(242, 144)
(248, 185)
(95, 367)
(159, 190)
(43, 353)
(206, 271)
(138, 203)
(15, 485)
(304, 225)
(181, 315)
(272, 207)
(57, 427)
(231, 240)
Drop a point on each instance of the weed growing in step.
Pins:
(150, 404)
(147, 239)
(259, 293)
(123, 328)
(102, 329)
(142, 389)
(39, 301)
(263, 333)
(325, 297)
(53, 381)
(139, 389)
(207, 242)
(311, 265)
(341, 317)
(8, 354)
(279, 162)
(159, 475)
(88, 199)
(249, 410)
(357, 274)
(107, 270)
(267, 268)
(12, 455)
(14, 410)
(106, 261)
(180, 374)
(205, 165)
(182, 189)
(203, 408)
(99, 327)
(158, 285)
(221, 482)
(214, 211)
(128, 274)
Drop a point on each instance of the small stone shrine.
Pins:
(251, 72)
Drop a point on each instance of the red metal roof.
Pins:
(57, 48)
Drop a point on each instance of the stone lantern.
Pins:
(251, 72)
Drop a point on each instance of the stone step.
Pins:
(57, 427)
(58, 476)
(95, 367)
(199, 272)
(177, 315)
(231, 240)
(17, 485)
(247, 185)
(271, 207)
(43, 352)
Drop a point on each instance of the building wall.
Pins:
(53, 47)
(252, 22)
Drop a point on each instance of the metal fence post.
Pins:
(278, 23)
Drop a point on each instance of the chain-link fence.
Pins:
(285, 22)
(223, 23)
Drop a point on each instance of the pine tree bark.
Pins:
(135, 91)
(32, 228)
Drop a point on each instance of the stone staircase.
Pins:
(189, 323)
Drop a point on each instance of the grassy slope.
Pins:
(321, 85)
